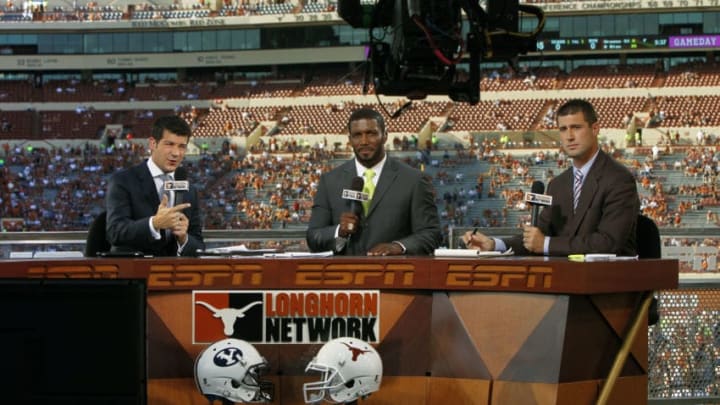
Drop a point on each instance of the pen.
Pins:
(462, 241)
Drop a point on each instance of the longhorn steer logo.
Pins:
(356, 351)
(228, 315)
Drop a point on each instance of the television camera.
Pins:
(421, 52)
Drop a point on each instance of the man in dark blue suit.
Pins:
(137, 218)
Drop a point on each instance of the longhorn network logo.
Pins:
(223, 314)
(297, 316)
(228, 315)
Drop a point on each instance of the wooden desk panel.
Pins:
(507, 274)
(487, 331)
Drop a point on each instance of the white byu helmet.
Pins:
(350, 369)
(231, 369)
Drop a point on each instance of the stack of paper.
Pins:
(470, 253)
(237, 250)
(328, 253)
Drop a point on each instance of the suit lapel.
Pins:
(150, 195)
(345, 178)
(349, 172)
(147, 184)
(589, 189)
(387, 178)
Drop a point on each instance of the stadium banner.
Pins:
(180, 60)
(225, 22)
(285, 316)
(175, 23)
(570, 6)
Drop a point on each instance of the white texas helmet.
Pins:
(349, 369)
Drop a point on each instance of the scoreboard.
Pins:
(629, 43)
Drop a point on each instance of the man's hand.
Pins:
(180, 230)
(349, 224)
(169, 218)
(386, 249)
(533, 239)
(477, 240)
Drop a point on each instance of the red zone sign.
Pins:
(296, 316)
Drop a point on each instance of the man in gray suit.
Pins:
(595, 203)
(401, 216)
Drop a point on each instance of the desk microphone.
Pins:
(536, 198)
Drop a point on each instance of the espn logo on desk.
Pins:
(297, 316)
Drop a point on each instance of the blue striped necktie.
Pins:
(164, 178)
(577, 188)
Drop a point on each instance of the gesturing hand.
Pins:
(169, 217)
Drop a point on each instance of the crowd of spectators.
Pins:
(271, 185)
(685, 347)
(55, 189)
(499, 115)
(96, 11)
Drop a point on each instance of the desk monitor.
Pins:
(77, 342)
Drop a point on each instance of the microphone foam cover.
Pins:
(357, 184)
(181, 173)
(538, 187)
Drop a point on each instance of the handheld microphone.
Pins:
(356, 198)
(177, 187)
(536, 198)
(355, 195)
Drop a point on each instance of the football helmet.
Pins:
(231, 369)
(349, 369)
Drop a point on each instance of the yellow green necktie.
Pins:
(368, 188)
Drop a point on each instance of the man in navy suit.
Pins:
(401, 217)
(137, 218)
(595, 202)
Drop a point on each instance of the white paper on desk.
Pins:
(239, 249)
(470, 253)
(328, 253)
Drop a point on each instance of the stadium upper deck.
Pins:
(226, 34)
(113, 10)
(109, 10)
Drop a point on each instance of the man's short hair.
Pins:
(172, 123)
(575, 106)
(367, 114)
